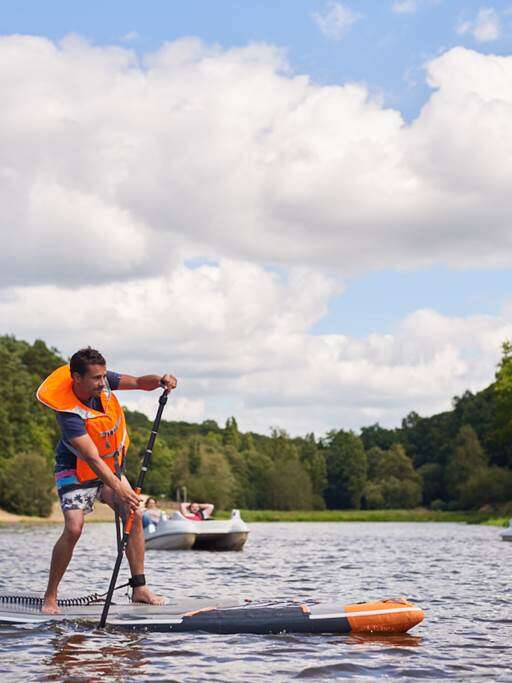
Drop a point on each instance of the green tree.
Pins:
(395, 463)
(26, 484)
(25, 425)
(432, 475)
(247, 442)
(486, 486)
(394, 482)
(241, 486)
(313, 461)
(289, 486)
(501, 435)
(467, 457)
(259, 472)
(427, 439)
(213, 481)
(194, 455)
(346, 470)
(40, 360)
(377, 436)
(400, 493)
(373, 496)
(478, 411)
(374, 456)
(231, 436)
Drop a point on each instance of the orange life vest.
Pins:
(107, 429)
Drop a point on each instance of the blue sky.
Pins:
(300, 198)
(376, 301)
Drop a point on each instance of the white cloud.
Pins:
(239, 339)
(205, 153)
(412, 6)
(130, 37)
(115, 174)
(485, 28)
(178, 409)
(405, 6)
(335, 20)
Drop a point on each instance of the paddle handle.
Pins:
(131, 519)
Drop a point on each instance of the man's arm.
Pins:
(147, 382)
(88, 452)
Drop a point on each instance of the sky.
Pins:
(300, 208)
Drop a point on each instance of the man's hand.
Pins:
(168, 382)
(126, 495)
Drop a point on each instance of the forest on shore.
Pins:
(457, 460)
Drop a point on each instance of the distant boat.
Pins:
(507, 534)
(180, 533)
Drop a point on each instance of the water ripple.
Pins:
(457, 573)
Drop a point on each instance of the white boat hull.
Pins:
(507, 534)
(234, 540)
(180, 533)
(172, 541)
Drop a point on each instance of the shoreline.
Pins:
(102, 513)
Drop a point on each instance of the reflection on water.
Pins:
(459, 574)
(82, 655)
(401, 640)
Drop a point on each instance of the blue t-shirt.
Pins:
(71, 426)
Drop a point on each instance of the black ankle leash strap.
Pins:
(137, 580)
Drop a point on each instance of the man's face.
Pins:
(194, 508)
(93, 382)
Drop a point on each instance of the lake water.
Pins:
(460, 575)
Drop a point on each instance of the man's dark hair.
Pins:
(81, 360)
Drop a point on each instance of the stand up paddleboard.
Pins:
(213, 616)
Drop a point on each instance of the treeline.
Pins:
(460, 459)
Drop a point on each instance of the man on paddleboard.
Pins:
(89, 458)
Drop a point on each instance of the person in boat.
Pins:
(152, 513)
(197, 511)
(89, 458)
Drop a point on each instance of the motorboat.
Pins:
(507, 534)
(179, 533)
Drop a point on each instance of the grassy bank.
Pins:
(417, 515)
(103, 514)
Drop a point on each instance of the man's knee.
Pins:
(73, 529)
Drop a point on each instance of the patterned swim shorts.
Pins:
(80, 499)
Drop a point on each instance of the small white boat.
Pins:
(179, 533)
(507, 534)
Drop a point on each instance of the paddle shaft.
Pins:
(131, 518)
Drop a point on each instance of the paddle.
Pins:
(129, 522)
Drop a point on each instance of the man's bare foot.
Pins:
(144, 594)
(50, 605)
